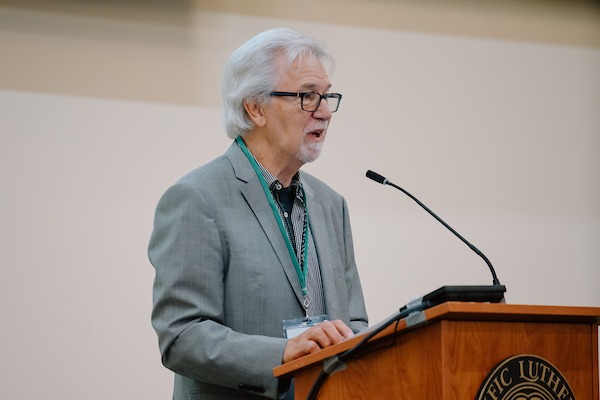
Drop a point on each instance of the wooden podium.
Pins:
(449, 356)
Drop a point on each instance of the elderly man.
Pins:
(254, 259)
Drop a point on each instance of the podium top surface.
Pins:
(460, 311)
(513, 313)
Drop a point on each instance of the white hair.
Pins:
(251, 73)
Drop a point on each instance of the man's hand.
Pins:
(326, 334)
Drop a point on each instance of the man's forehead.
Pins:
(308, 73)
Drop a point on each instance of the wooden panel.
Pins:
(595, 375)
(450, 356)
(449, 360)
(409, 369)
(472, 349)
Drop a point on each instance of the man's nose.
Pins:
(323, 111)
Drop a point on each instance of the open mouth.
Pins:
(317, 133)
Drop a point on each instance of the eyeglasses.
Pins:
(310, 101)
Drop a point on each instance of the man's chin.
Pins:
(309, 152)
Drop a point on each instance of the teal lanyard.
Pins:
(302, 271)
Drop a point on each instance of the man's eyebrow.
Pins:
(313, 87)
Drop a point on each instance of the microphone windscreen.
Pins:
(376, 177)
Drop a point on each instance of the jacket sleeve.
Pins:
(188, 255)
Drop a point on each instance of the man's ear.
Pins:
(256, 112)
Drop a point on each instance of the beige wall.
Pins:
(171, 51)
(488, 111)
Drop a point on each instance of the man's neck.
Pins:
(278, 167)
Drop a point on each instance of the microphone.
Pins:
(492, 294)
(495, 293)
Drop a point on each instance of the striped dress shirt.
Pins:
(294, 221)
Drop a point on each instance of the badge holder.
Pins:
(295, 327)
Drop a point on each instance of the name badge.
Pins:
(295, 327)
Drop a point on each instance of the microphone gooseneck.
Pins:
(384, 181)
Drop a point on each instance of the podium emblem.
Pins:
(525, 377)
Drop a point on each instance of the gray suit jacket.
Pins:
(225, 280)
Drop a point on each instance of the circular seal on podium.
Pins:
(525, 377)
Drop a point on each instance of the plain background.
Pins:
(487, 111)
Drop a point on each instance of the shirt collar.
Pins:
(275, 185)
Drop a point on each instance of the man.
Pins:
(250, 253)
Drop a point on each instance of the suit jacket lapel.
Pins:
(257, 201)
(321, 232)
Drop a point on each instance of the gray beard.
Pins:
(310, 152)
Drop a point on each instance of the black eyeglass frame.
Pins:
(337, 96)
